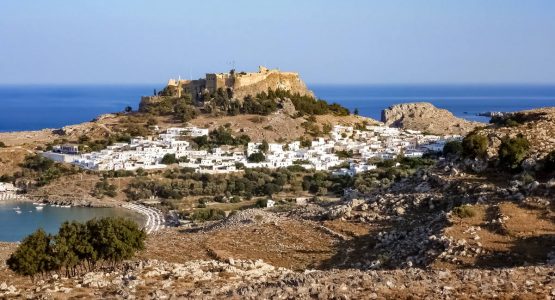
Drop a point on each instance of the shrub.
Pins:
(464, 211)
(344, 154)
(256, 157)
(211, 214)
(475, 145)
(103, 188)
(169, 159)
(549, 162)
(512, 151)
(261, 203)
(453, 148)
(2, 145)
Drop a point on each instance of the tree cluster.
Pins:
(265, 103)
(182, 109)
(104, 188)
(254, 182)
(43, 170)
(220, 136)
(78, 247)
(515, 119)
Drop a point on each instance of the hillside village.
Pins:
(360, 145)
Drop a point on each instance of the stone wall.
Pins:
(243, 84)
(253, 85)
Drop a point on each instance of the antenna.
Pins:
(231, 64)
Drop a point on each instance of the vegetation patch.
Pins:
(512, 151)
(464, 211)
(475, 145)
(78, 248)
(210, 214)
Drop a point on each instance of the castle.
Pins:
(242, 83)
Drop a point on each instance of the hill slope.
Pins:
(426, 117)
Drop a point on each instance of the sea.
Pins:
(20, 218)
(54, 106)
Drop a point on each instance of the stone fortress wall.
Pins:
(242, 83)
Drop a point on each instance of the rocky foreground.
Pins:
(245, 279)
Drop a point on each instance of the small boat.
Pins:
(39, 207)
(16, 208)
(18, 211)
(65, 206)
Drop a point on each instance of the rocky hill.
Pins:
(537, 126)
(426, 117)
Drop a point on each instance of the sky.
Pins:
(328, 42)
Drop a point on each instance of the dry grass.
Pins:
(526, 236)
(291, 244)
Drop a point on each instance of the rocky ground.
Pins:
(406, 241)
(425, 117)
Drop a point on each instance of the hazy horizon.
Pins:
(436, 42)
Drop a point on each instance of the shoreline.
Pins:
(154, 218)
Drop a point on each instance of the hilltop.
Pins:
(237, 85)
(426, 117)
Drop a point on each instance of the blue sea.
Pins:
(36, 107)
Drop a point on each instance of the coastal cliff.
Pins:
(426, 117)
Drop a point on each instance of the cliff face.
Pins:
(425, 117)
(273, 80)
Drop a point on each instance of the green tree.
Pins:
(475, 145)
(453, 148)
(264, 147)
(355, 112)
(512, 151)
(115, 239)
(169, 159)
(33, 256)
(256, 157)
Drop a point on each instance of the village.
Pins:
(347, 151)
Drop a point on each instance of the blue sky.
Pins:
(348, 41)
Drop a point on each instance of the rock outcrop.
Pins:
(426, 117)
(537, 126)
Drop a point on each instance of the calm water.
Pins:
(36, 107)
(14, 226)
(463, 101)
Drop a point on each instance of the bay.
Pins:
(20, 218)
